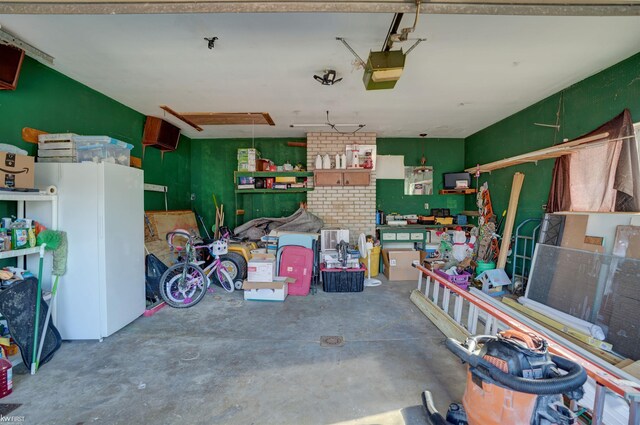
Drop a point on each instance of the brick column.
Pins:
(346, 207)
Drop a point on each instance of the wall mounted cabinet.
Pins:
(341, 178)
(10, 63)
(160, 134)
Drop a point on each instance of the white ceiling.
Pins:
(472, 71)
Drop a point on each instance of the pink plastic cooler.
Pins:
(297, 262)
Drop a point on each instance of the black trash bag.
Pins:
(153, 270)
(18, 306)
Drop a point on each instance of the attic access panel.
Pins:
(229, 118)
(196, 119)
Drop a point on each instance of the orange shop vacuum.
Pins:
(512, 379)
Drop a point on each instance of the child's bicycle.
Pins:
(184, 284)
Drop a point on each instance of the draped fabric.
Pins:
(603, 178)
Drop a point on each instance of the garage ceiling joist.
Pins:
(480, 7)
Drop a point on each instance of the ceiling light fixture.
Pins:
(333, 126)
(328, 78)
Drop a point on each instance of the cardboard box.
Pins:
(267, 291)
(16, 171)
(398, 264)
(261, 268)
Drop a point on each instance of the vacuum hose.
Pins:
(575, 377)
(433, 416)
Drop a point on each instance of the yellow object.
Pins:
(243, 249)
(444, 220)
(375, 261)
(587, 339)
(285, 179)
(32, 238)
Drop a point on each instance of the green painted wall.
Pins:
(213, 162)
(50, 101)
(444, 155)
(586, 105)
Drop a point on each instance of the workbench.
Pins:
(411, 233)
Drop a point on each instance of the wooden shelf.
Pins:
(546, 153)
(274, 191)
(457, 191)
(273, 174)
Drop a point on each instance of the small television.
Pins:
(457, 180)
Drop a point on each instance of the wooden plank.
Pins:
(516, 187)
(229, 118)
(181, 117)
(442, 321)
(546, 153)
(633, 369)
(587, 339)
(594, 240)
(607, 356)
(136, 162)
(30, 135)
(456, 191)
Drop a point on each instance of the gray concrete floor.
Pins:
(230, 361)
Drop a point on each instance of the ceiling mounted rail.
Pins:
(478, 7)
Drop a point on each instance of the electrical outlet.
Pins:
(426, 205)
(193, 196)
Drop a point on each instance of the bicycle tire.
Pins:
(226, 282)
(170, 281)
(235, 264)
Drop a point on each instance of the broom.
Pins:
(55, 241)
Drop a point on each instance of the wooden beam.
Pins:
(181, 117)
(516, 187)
(546, 153)
(473, 7)
(229, 118)
(443, 321)
(136, 162)
(30, 135)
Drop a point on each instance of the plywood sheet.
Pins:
(162, 222)
(575, 229)
(229, 118)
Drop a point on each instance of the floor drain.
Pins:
(331, 341)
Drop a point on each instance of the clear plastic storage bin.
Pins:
(102, 149)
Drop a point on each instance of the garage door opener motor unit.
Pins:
(511, 378)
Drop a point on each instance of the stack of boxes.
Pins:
(262, 284)
(247, 159)
(57, 148)
(69, 147)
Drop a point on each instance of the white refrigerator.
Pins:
(101, 207)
